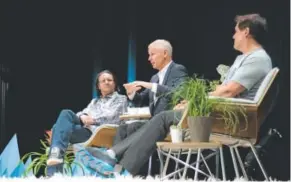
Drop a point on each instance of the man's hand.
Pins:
(143, 84)
(136, 85)
(182, 105)
(87, 120)
(231, 89)
(218, 87)
(131, 87)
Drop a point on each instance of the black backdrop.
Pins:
(50, 47)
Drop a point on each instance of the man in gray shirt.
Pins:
(242, 80)
(250, 68)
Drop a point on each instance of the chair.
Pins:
(257, 111)
(102, 137)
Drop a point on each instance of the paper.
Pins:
(137, 110)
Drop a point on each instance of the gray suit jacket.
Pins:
(174, 76)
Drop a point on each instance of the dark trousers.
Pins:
(125, 130)
(67, 129)
(139, 146)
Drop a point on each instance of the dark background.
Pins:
(50, 46)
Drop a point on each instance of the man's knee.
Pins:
(67, 112)
(66, 116)
(134, 127)
(166, 115)
(166, 118)
(121, 133)
(121, 129)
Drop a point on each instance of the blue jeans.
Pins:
(67, 129)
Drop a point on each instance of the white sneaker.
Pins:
(54, 161)
(55, 157)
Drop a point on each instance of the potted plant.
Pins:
(200, 108)
(39, 159)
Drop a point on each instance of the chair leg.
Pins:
(234, 162)
(222, 163)
(259, 162)
(150, 166)
(217, 164)
(241, 163)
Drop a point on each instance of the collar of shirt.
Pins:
(107, 97)
(163, 72)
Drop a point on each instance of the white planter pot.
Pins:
(176, 135)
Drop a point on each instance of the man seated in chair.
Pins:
(242, 81)
(156, 92)
(77, 128)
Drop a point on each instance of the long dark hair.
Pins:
(97, 80)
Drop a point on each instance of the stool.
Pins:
(174, 150)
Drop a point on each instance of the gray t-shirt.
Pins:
(249, 70)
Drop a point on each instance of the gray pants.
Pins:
(125, 130)
(136, 149)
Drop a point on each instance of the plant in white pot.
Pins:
(200, 108)
(176, 133)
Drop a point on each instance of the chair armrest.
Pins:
(108, 126)
(236, 100)
(135, 116)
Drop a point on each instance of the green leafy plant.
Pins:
(195, 91)
(176, 127)
(232, 115)
(39, 160)
(228, 113)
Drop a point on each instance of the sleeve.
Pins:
(141, 98)
(111, 116)
(180, 76)
(85, 111)
(250, 72)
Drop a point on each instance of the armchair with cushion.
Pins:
(104, 135)
(256, 110)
